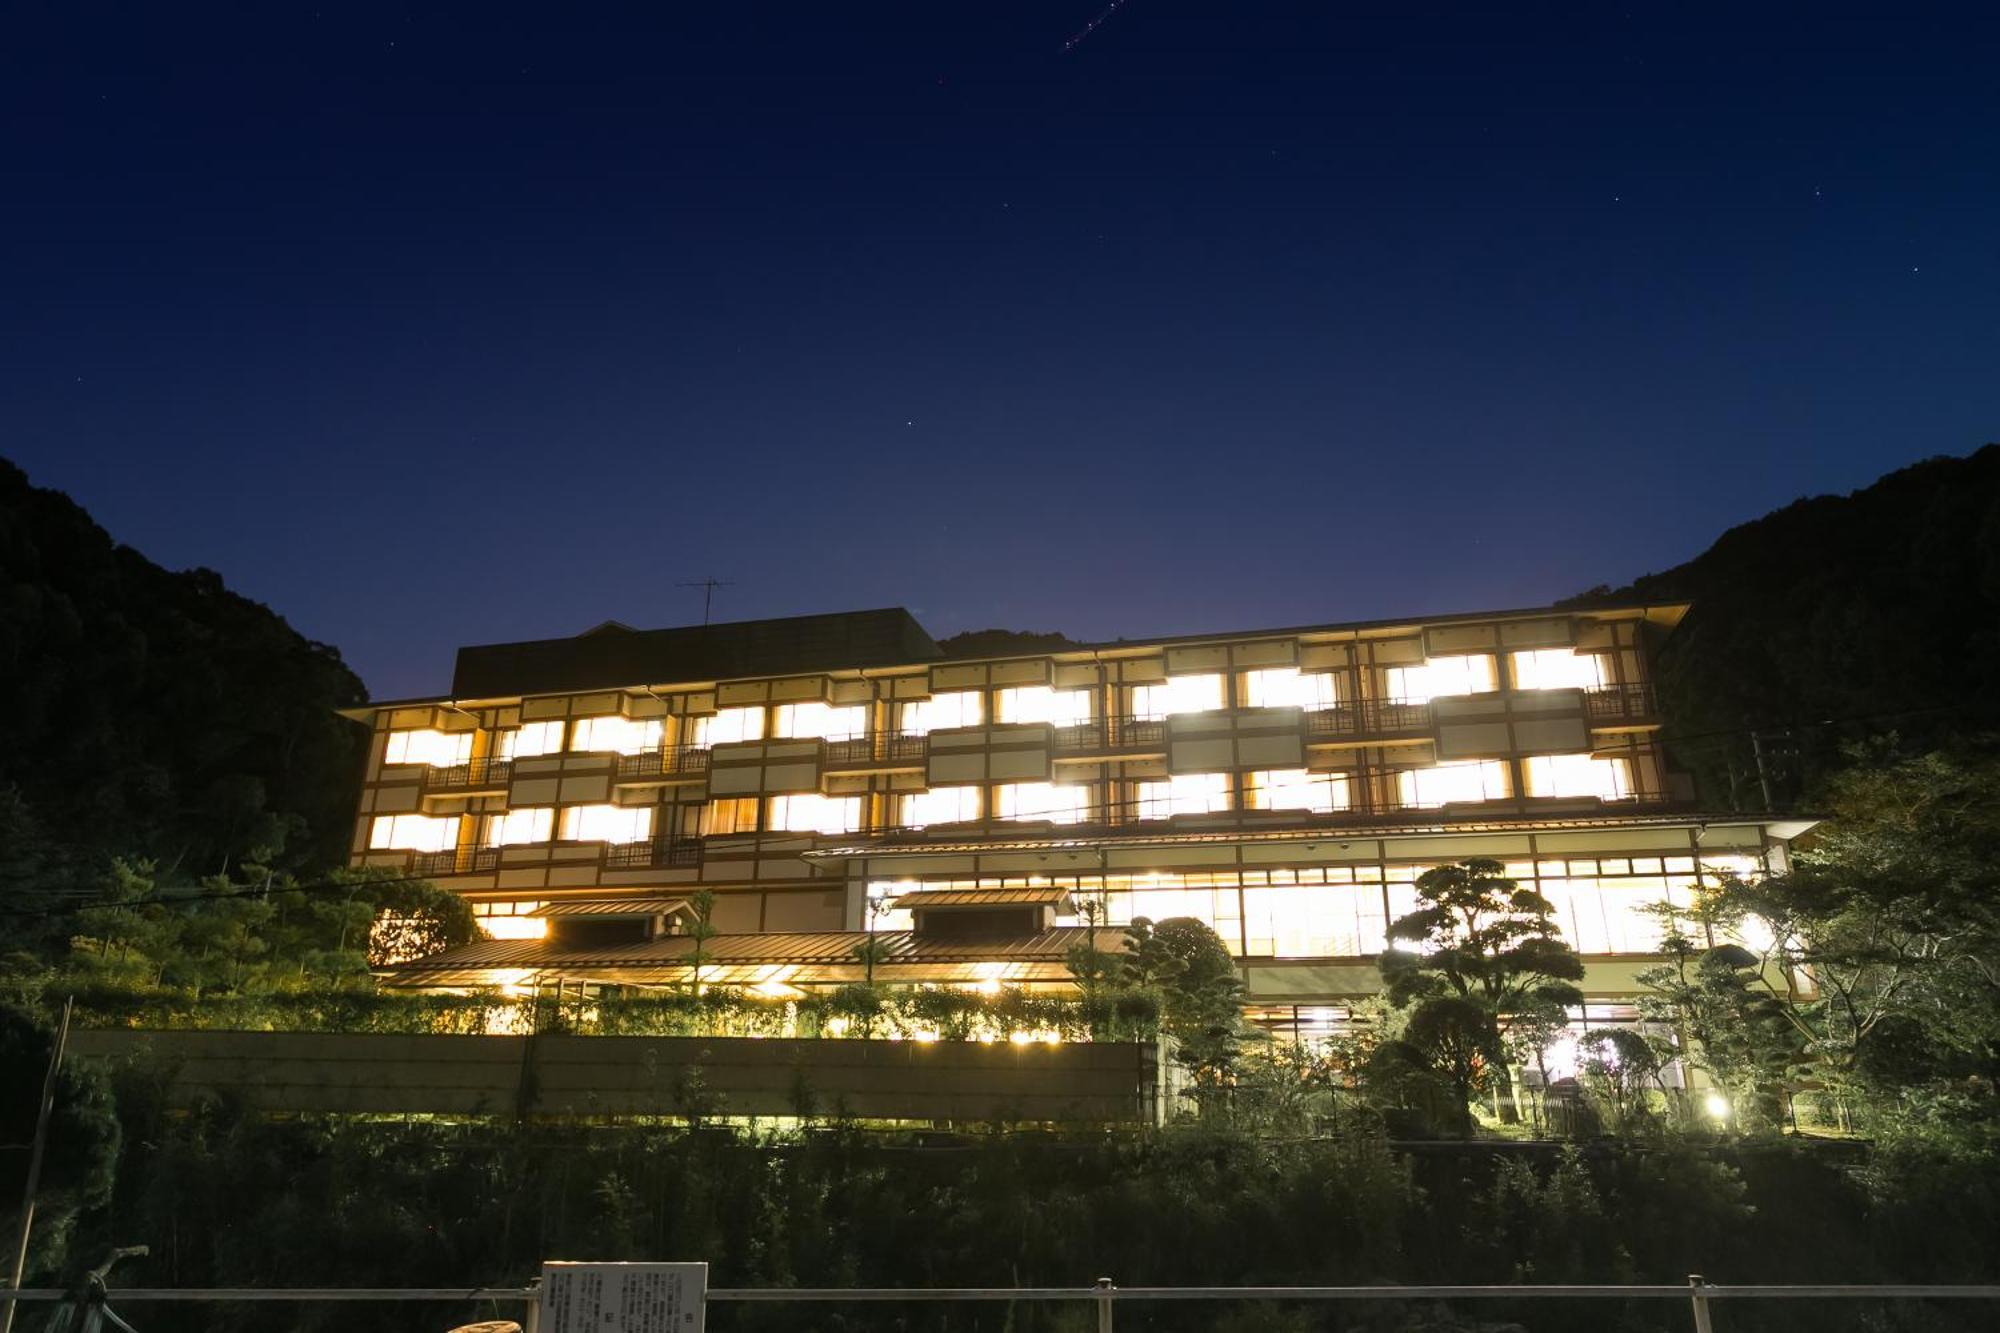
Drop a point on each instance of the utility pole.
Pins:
(35, 1162)
(708, 586)
(1763, 770)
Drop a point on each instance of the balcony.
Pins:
(456, 861)
(1620, 703)
(895, 749)
(479, 775)
(678, 853)
(681, 761)
(1368, 719)
(1124, 733)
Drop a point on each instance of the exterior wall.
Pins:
(712, 809)
(298, 1072)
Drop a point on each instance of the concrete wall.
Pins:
(1106, 1082)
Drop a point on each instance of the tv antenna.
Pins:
(708, 586)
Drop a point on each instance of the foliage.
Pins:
(1488, 964)
(157, 714)
(1816, 621)
(1870, 966)
(83, 1139)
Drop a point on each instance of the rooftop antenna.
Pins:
(708, 586)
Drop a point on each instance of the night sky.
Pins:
(435, 325)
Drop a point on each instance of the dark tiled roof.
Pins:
(614, 655)
(1027, 896)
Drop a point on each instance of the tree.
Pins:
(1481, 937)
(1201, 991)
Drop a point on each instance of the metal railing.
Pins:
(1369, 717)
(663, 763)
(478, 773)
(1620, 703)
(654, 853)
(1105, 1296)
(458, 861)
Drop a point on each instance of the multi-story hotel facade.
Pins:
(827, 777)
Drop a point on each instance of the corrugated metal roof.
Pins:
(1048, 895)
(667, 955)
(611, 907)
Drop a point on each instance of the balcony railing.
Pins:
(855, 749)
(654, 853)
(1620, 703)
(467, 777)
(680, 760)
(456, 861)
(1369, 717)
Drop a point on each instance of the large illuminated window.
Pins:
(510, 921)
(1558, 669)
(1057, 802)
(1448, 784)
(730, 814)
(940, 805)
(617, 735)
(1440, 677)
(607, 823)
(955, 708)
(1041, 703)
(531, 739)
(1578, 775)
(531, 824)
(729, 726)
(439, 749)
(1288, 687)
(1184, 794)
(810, 812)
(1299, 789)
(413, 833)
(800, 722)
(1177, 694)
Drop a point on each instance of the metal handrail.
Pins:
(457, 861)
(664, 762)
(493, 771)
(654, 853)
(1618, 703)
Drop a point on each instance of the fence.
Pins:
(389, 1073)
(1699, 1295)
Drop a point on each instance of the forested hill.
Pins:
(1837, 617)
(157, 713)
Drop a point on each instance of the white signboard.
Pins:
(622, 1298)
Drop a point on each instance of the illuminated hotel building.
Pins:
(826, 776)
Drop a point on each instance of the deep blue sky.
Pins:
(431, 326)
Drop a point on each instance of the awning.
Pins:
(1047, 895)
(611, 907)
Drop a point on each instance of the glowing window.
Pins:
(607, 823)
(940, 805)
(1558, 669)
(1298, 789)
(809, 812)
(1440, 677)
(617, 735)
(730, 814)
(1578, 775)
(1059, 803)
(958, 708)
(514, 927)
(1041, 703)
(1184, 794)
(439, 749)
(530, 739)
(1447, 784)
(729, 726)
(533, 824)
(1177, 694)
(804, 721)
(413, 833)
(1288, 687)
